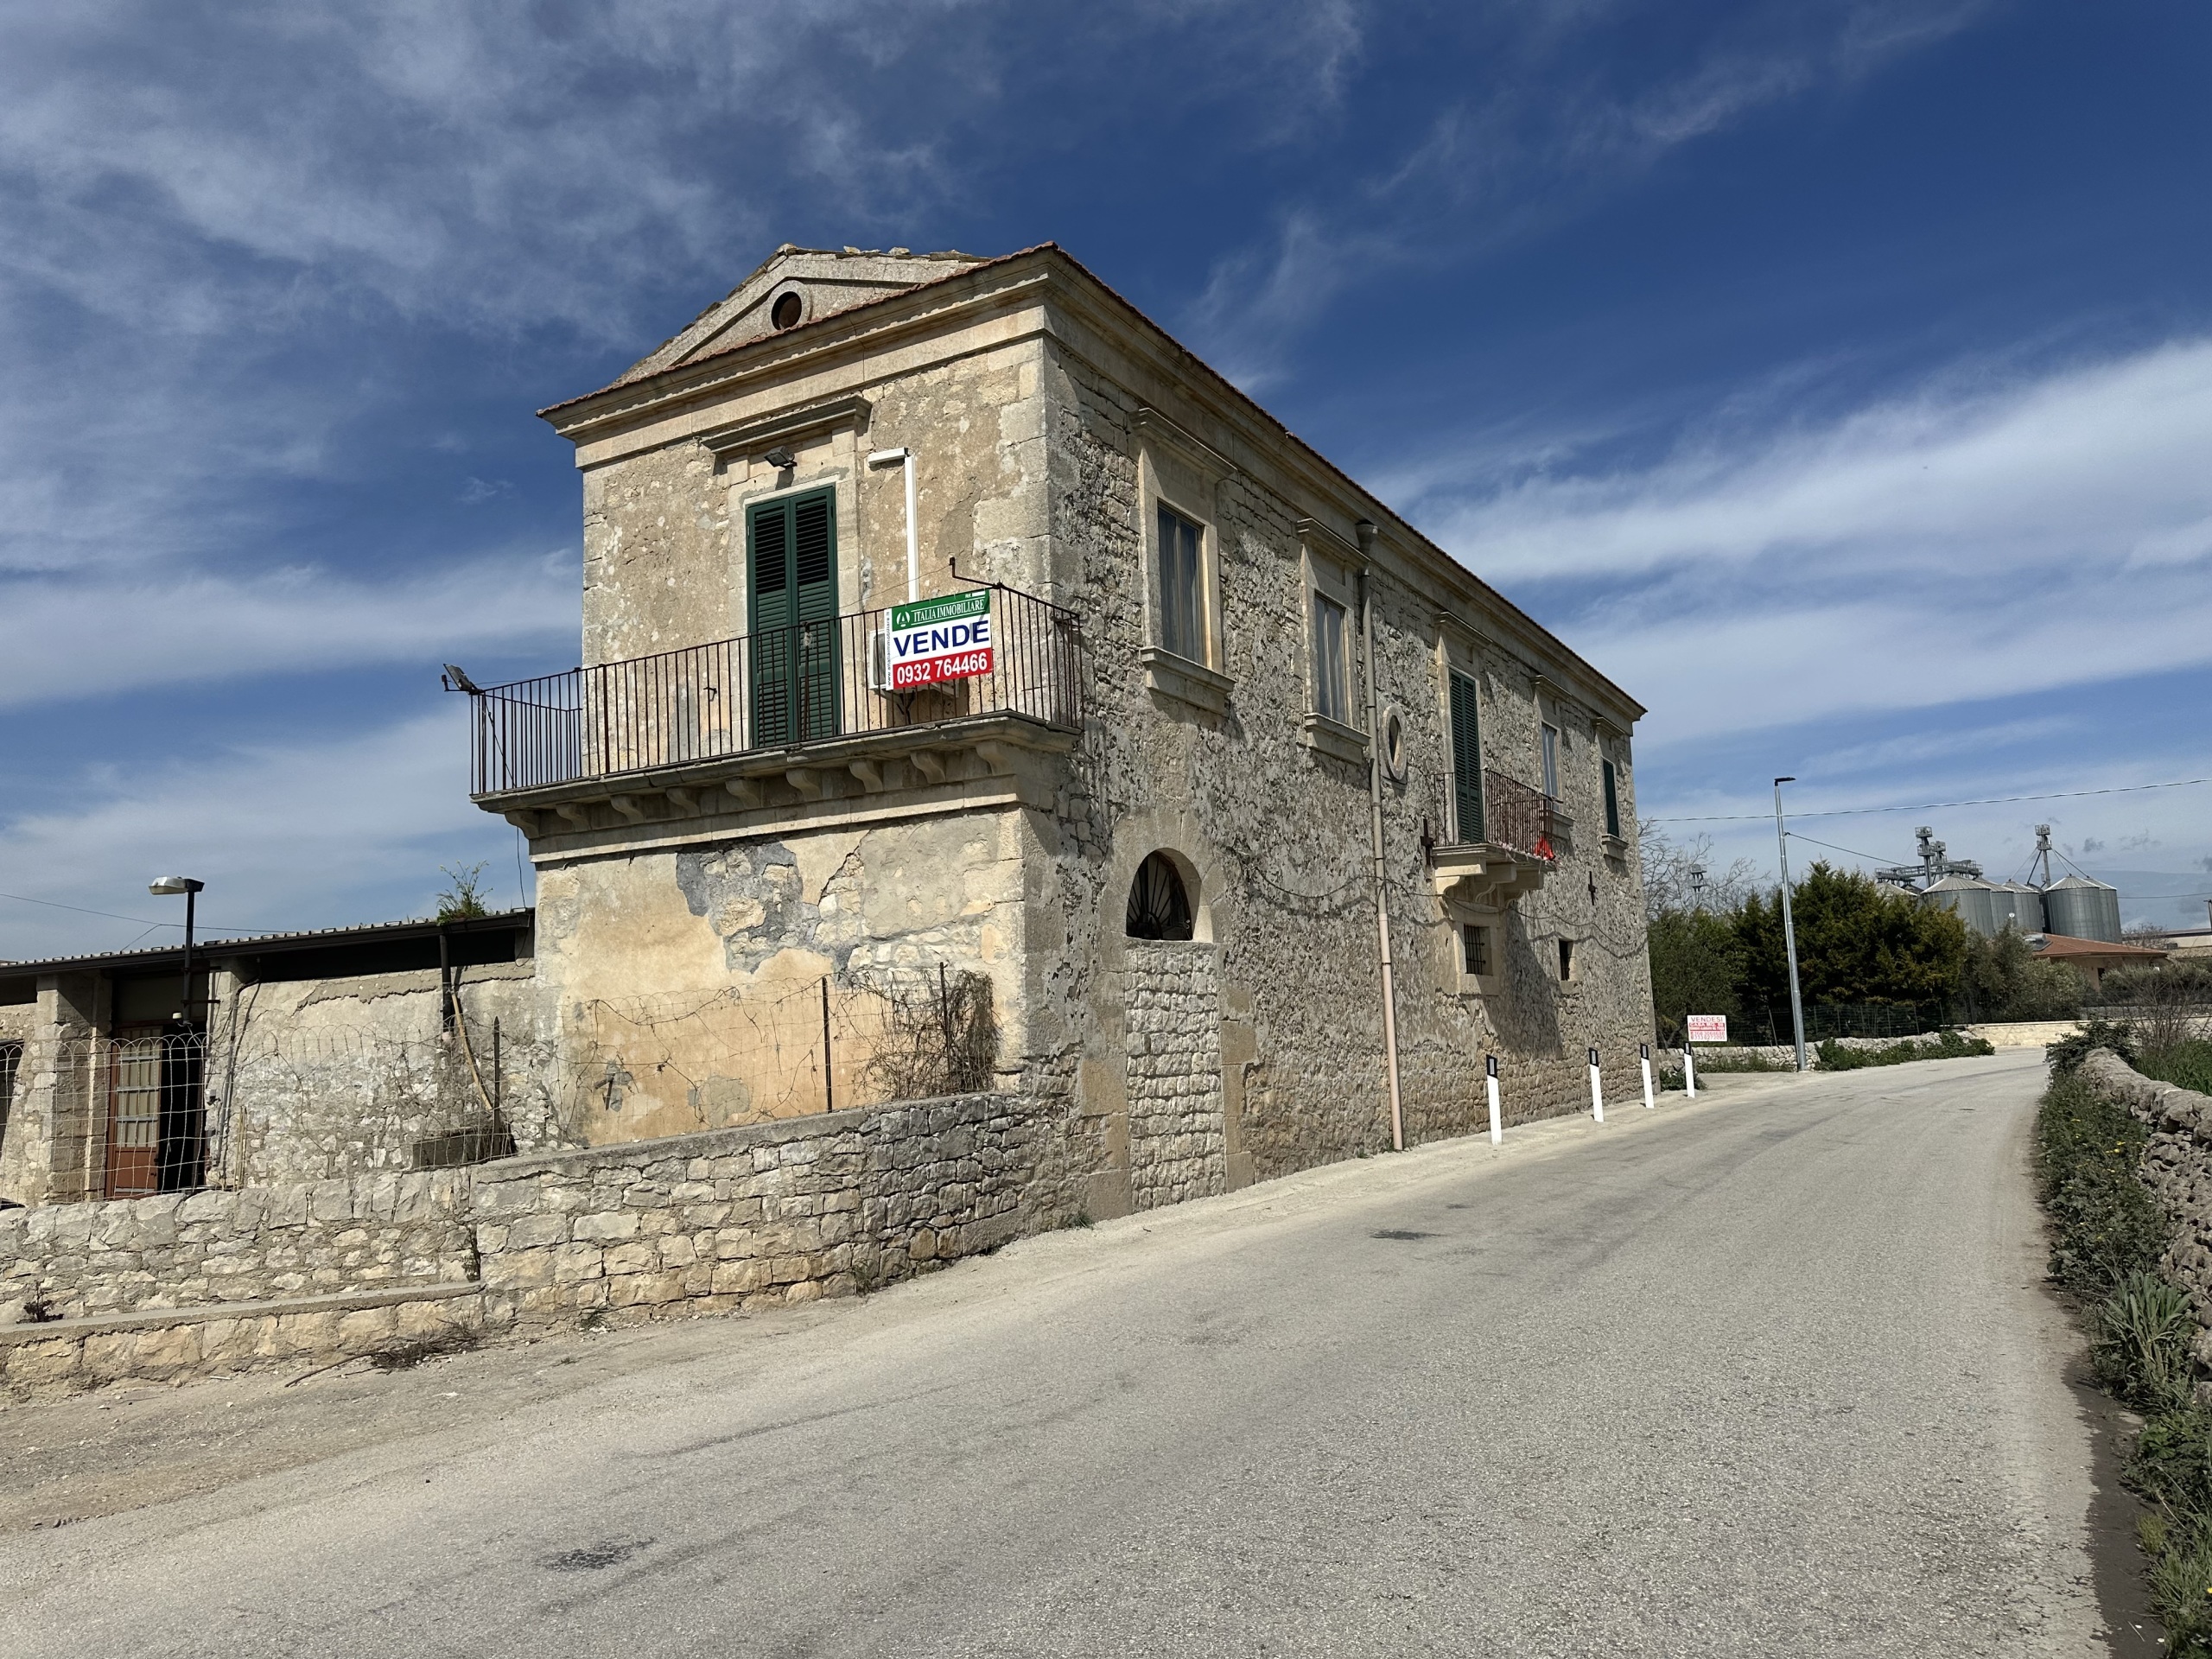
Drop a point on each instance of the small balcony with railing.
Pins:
(1521, 832)
(810, 720)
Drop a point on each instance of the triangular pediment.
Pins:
(794, 287)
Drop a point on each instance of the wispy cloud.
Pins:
(59, 639)
(386, 812)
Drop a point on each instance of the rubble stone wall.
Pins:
(69, 1260)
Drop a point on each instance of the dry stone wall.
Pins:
(2178, 1168)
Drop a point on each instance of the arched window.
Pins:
(1160, 906)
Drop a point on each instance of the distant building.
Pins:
(2093, 958)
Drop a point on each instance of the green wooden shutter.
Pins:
(1466, 760)
(1612, 803)
(792, 561)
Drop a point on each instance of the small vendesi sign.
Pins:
(933, 640)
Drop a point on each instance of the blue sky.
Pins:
(1837, 375)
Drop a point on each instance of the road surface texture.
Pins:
(1771, 1373)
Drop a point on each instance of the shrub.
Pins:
(2066, 1054)
(2104, 1226)
(1944, 1045)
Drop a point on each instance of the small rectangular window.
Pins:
(1182, 594)
(1612, 802)
(1551, 761)
(1475, 941)
(1566, 959)
(1331, 687)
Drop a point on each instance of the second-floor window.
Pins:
(1182, 586)
(1551, 761)
(1466, 761)
(1331, 667)
(1612, 801)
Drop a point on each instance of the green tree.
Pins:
(2003, 979)
(1858, 941)
(1695, 965)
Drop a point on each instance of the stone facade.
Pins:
(1048, 425)
(315, 1057)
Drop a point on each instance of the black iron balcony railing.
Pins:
(1516, 816)
(779, 690)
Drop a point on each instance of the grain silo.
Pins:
(1974, 900)
(2079, 908)
(2023, 904)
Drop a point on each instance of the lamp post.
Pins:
(1788, 927)
(191, 889)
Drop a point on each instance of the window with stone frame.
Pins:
(1331, 662)
(1612, 800)
(1181, 553)
(1551, 759)
(1474, 946)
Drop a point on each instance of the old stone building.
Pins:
(287, 1058)
(1190, 706)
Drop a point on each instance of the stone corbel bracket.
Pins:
(1484, 875)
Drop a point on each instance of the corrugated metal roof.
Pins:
(250, 943)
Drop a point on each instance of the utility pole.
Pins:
(1788, 927)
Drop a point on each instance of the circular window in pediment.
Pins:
(789, 310)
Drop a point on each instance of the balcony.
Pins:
(1523, 832)
(778, 722)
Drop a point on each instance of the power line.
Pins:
(24, 899)
(1833, 848)
(1931, 806)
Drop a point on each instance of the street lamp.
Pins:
(1789, 928)
(168, 885)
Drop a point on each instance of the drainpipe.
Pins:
(904, 460)
(1366, 531)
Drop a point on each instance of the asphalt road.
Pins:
(1770, 1374)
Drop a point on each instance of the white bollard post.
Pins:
(1597, 1090)
(1689, 1072)
(1644, 1053)
(1489, 1086)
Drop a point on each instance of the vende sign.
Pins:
(937, 639)
(1708, 1028)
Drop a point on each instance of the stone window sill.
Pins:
(1187, 682)
(1615, 846)
(1480, 984)
(1333, 738)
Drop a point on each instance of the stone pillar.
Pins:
(54, 1134)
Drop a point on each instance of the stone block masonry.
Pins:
(373, 1232)
(766, 1214)
(1178, 1148)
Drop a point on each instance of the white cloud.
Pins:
(61, 639)
(1968, 482)
(329, 832)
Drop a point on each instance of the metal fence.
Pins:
(776, 689)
